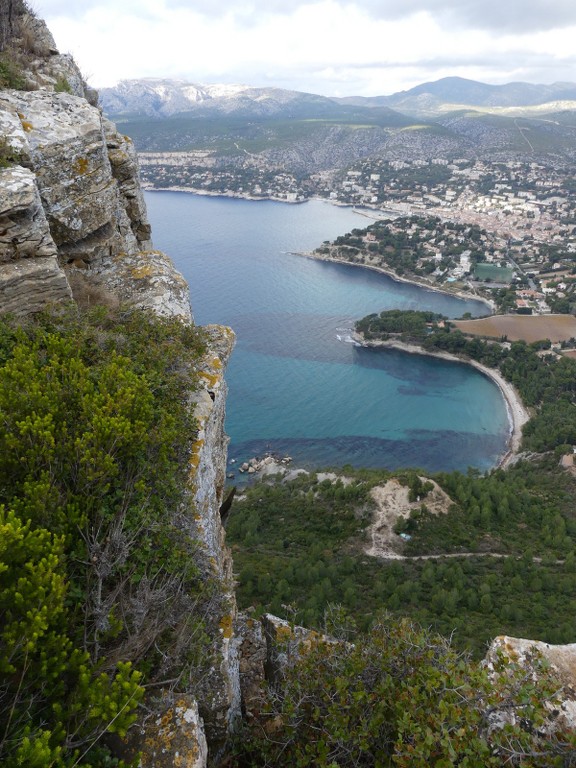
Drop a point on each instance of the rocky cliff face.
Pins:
(73, 226)
(72, 215)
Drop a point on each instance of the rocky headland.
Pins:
(428, 284)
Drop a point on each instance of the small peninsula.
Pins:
(459, 258)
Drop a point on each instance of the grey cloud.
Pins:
(494, 15)
(520, 59)
(246, 11)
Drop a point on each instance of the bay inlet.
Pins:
(298, 386)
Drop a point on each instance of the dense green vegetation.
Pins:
(412, 323)
(300, 551)
(400, 696)
(299, 546)
(253, 133)
(96, 570)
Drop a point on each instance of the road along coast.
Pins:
(518, 415)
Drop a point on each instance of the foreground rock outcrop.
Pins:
(560, 661)
(72, 214)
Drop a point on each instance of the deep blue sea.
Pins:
(296, 385)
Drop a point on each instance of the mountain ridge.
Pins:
(164, 97)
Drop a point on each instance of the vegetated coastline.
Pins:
(412, 280)
(518, 415)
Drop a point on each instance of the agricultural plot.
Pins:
(527, 328)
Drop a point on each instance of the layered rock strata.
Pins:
(72, 210)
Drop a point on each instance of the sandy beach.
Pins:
(518, 415)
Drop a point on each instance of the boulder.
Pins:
(174, 736)
(562, 668)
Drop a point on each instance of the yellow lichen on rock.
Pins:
(142, 272)
(226, 626)
(80, 166)
(175, 739)
(211, 378)
(26, 124)
(195, 455)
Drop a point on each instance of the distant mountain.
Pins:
(306, 133)
(449, 93)
(163, 98)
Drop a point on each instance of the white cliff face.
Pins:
(219, 690)
(75, 203)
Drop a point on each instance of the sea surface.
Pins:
(298, 386)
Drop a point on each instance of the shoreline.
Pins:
(227, 195)
(311, 255)
(518, 415)
(411, 281)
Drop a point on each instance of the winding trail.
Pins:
(392, 504)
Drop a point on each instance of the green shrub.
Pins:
(8, 155)
(62, 85)
(11, 74)
(95, 568)
(401, 696)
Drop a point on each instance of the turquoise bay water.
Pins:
(296, 385)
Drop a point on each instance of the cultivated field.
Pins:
(522, 327)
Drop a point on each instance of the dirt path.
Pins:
(392, 504)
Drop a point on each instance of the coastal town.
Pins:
(505, 231)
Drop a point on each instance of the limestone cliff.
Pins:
(72, 214)
(73, 226)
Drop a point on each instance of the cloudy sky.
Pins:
(332, 47)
